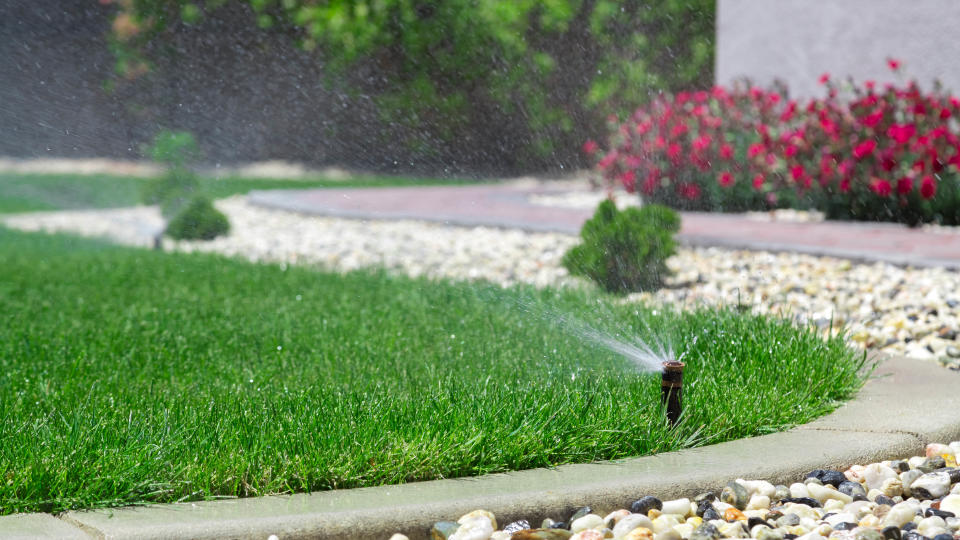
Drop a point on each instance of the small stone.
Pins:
(931, 485)
(542, 534)
(396, 536)
(754, 521)
(643, 505)
(845, 526)
(442, 530)
(951, 503)
(473, 528)
(612, 518)
(680, 507)
(705, 532)
(479, 513)
(735, 495)
(711, 514)
(518, 525)
(788, 520)
(891, 533)
(587, 521)
(630, 523)
(943, 536)
(579, 513)
(780, 492)
(865, 533)
(853, 489)
(934, 512)
(643, 533)
(588, 534)
(733, 514)
(827, 476)
(932, 463)
(809, 501)
(705, 497)
(766, 533)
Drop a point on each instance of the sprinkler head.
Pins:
(671, 389)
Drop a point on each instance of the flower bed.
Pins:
(861, 152)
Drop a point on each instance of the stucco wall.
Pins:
(797, 40)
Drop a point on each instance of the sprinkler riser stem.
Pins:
(671, 390)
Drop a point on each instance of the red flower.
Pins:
(844, 185)
(864, 149)
(678, 130)
(673, 152)
(869, 85)
(590, 147)
(726, 151)
(650, 184)
(874, 118)
(893, 64)
(904, 185)
(629, 180)
(902, 133)
(607, 160)
(702, 142)
(797, 172)
(790, 151)
(755, 150)
(824, 79)
(928, 187)
(945, 113)
(881, 187)
(758, 181)
(689, 190)
(725, 179)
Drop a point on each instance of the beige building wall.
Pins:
(798, 40)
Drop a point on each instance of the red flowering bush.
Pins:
(865, 154)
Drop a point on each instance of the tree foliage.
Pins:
(540, 73)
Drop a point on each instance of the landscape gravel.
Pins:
(910, 311)
(916, 498)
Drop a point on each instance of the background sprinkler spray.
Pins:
(671, 389)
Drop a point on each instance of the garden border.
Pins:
(905, 405)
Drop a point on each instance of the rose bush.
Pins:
(861, 153)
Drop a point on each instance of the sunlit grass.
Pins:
(36, 192)
(131, 376)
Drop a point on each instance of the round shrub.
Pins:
(625, 251)
(198, 220)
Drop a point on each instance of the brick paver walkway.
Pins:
(505, 205)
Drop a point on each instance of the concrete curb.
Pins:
(905, 405)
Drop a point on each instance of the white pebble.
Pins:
(476, 528)
(589, 521)
(680, 507)
(630, 523)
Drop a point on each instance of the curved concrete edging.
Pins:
(905, 405)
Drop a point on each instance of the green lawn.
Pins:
(132, 376)
(33, 192)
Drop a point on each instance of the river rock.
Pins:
(479, 513)
(866, 533)
(853, 489)
(443, 529)
(630, 523)
(589, 534)
(735, 494)
(519, 525)
(643, 505)
(579, 513)
(951, 503)
(705, 532)
(874, 475)
(474, 528)
(680, 507)
(587, 521)
(827, 476)
(542, 534)
(932, 485)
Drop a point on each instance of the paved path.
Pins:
(506, 205)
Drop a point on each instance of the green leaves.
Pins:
(625, 251)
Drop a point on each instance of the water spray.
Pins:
(671, 389)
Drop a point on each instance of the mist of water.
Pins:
(646, 353)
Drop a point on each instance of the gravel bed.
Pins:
(911, 311)
(910, 499)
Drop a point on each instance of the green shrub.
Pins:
(625, 251)
(198, 220)
(172, 190)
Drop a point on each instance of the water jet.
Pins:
(671, 389)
